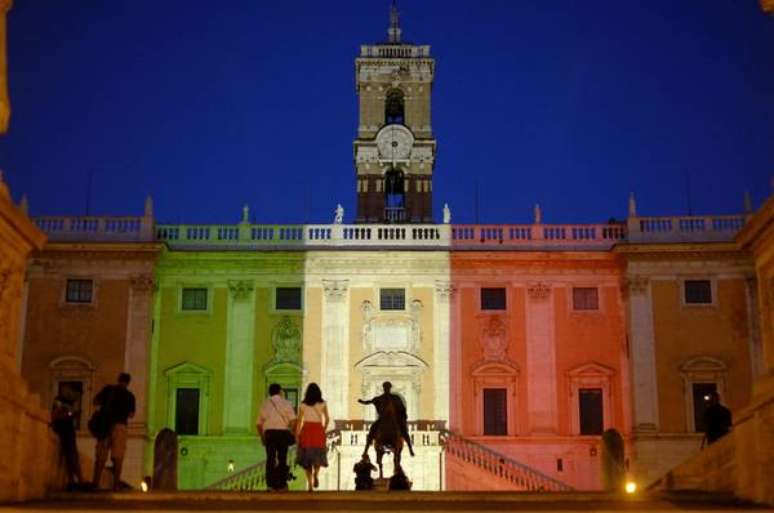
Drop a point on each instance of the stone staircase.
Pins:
(461, 464)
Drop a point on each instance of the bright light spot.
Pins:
(230, 467)
(631, 487)
(707, 397)
(144, 486)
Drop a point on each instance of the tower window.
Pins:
(394, 107)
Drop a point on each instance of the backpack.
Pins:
(99, 423)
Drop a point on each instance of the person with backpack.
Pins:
(109, 425)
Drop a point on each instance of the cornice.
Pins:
(101, 247)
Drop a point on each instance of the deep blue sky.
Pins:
(207, 105)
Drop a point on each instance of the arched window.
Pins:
(394, 107)
(394, 195)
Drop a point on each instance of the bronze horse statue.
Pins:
(389, 432)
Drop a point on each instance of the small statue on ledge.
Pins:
(339, 218)
(446, 214)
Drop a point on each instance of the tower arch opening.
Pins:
(394, 107)
(394, 195)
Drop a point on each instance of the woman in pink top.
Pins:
(310, 433)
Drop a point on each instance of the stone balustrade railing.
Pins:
(96, 228)
(543, 236)
(567, 237)
(500, 466)
(685, 228)
(308, 236)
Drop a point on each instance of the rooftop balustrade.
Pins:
(543, 237)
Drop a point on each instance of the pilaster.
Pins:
(240, 351)
(335, 359)
(445, 295)
(643, 354)
(541, 360)
(138, 334)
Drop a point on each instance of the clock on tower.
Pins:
(395, 147)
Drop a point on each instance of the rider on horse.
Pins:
(383, 403)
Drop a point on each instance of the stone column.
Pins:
(138, 334)
(240, 354)
(643, 355)
(443, 303)
(541, 360)
(335, 382)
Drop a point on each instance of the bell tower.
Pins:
(395, 148)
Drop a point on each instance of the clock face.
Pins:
(394, 142)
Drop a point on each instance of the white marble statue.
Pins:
(339, 214)
(446, 214)
(538, 214)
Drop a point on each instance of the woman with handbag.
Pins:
(312, 424)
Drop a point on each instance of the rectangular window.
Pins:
(288, 298)
(585, 298)
(495, 411)
(195, 299)
(701, 397)
(79, 291)
(493, 298)
(698, 292)
(392, 299)
(591, 416)
(72, 392)
(187, 411)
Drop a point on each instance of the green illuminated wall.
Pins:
(229, 351)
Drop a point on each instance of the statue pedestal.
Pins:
(382, 485)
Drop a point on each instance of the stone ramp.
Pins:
(377, 502)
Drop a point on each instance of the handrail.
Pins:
(254, 476)
(500, 465)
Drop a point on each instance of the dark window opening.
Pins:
(194, 299)
(288, 298)
(698, 292)
(701, 397)
(394, 107)
(291, 394)
(585, 298)
(79, 291)
(394, 195)
(493, 299)
(392, 299)
(559, 465)
(495, 411)
(591, 415)
(72, 392)
(187, 411)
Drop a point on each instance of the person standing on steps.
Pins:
(717, 419)
(63, 424)
(116, 403)
(275, 427)
(311, 427)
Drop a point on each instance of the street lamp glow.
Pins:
(144, 486)
(631, 487)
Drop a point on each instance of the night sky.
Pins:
(208, 105)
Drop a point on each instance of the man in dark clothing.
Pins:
(63, 424)
(117, 403)
(381, 402)
(717, 419)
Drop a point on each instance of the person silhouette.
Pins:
(382, 402)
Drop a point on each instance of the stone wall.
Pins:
(29, 464)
